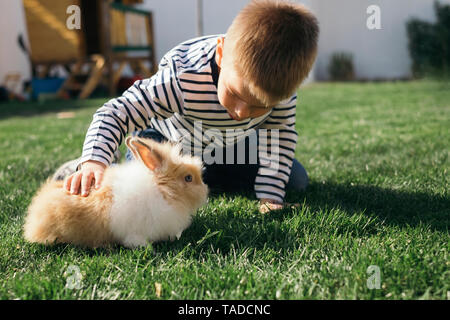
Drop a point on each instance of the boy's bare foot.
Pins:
(267, 205)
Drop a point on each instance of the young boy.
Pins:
(245, 80)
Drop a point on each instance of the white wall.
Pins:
(377, 53)
(12, 23)
(175, 21)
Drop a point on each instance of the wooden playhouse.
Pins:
(112, 34)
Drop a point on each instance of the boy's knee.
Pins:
(298, 179)
(148, 133)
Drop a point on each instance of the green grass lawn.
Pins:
(378, 161)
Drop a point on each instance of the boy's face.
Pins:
(232, 92)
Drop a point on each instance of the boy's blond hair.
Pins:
(272, 45)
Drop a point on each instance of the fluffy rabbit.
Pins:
(150, 199)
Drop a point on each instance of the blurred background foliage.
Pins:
(341, 67)
(429, 43)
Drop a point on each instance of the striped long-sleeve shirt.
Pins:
(181, 100)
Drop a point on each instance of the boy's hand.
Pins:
(266, 205)
(91, 171)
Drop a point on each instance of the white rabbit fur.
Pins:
(130, 220)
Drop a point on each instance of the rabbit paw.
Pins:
(134, 241)
(176, 237)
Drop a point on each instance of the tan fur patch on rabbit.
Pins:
(57, 217)
(171, 187)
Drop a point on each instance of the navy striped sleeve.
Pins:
(276, 151)
(157, 97)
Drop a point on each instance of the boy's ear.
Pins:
(219, 51)
(145, 152)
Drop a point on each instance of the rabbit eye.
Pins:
(188, 178)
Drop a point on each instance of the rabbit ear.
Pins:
(145, 152)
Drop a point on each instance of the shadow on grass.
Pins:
(392, 206)
(30, 109)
